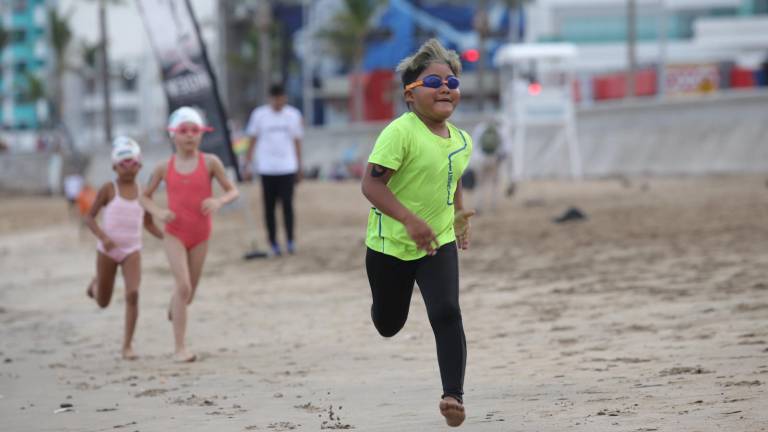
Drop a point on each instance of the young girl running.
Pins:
(120, 235)
(418, 218)
(188, 175)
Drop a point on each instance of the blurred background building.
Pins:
(337, 58)
(25, 63)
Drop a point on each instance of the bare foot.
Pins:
(452, 410)
(128, 354)
(184, 357)
(91, 286)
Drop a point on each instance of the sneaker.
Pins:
(276, 250)
(290, 247)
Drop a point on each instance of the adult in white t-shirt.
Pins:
(276, 132)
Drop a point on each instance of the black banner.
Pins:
(188, 79)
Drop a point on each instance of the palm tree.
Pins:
(252, 47)
(61, 36)
(347, 36)
(34, 89)
(104, 63)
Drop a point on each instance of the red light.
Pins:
(471, 55)
(534, 88)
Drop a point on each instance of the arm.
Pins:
(300, 172)
(211, 205)
(249, 157)
(298, 134)
(461, 217)
(102, 198)
(149, 225)
(251, 129)
(375, 188)
(146, 201)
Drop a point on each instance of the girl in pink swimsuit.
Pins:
(188, 174)
(120, 235)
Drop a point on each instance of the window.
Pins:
(18, 36)
(128, 80)
(761, 6)
(126, 116)
(19, 5)
(90, 86)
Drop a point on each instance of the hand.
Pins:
(165, 216)
(298, 177)
(210, 206)
(421, 233)
(461, 226)
(108, 244)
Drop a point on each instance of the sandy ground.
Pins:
(650, 316)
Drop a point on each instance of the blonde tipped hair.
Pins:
(432, 51)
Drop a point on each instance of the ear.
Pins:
(408, 96)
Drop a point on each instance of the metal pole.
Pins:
(222, 27)
(631, 42)
(662, 66)
(104, 60)
(308, 94)
(481, 26)
(264, 17)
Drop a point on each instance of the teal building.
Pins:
(25, 61)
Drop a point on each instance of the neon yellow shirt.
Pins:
(427, 169)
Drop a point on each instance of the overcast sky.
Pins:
(127, 35)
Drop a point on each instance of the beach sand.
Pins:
(651, 315)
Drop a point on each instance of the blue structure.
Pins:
(409, 23)
(25, 54)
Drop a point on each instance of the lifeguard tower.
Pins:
(537, 90)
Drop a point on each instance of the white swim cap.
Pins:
(185, 114)
(125, 148)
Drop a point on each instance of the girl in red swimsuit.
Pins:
(188, 174)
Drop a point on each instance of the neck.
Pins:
(186, 154)
(438, 127)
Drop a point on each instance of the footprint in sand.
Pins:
(308, 407)
(684, 370)
(742, 383)
(491, 417)
(282, 426)
(151, 392)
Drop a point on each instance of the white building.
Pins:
(139, 106)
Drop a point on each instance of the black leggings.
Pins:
(278, 188)
(391, 281)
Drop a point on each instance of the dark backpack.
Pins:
(490, 139)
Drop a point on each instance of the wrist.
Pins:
(408, 218)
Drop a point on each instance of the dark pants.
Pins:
(278, 188)
(391, 281)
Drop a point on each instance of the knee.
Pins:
(132, 298)
(103, 296)
(102, 301)
(184, 293)
(387, 327)
(387, 330)
(445, 313)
